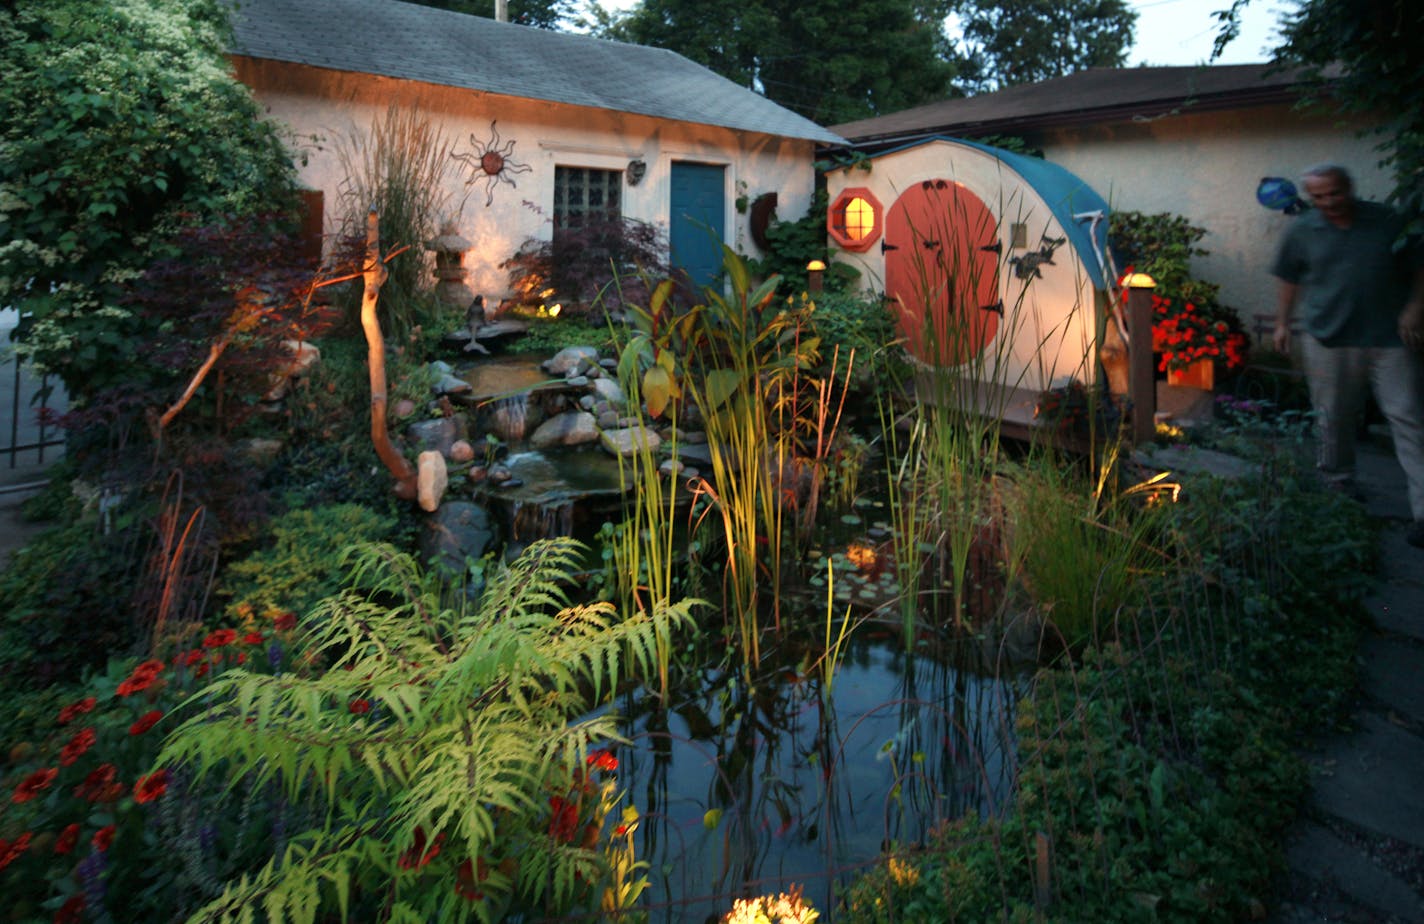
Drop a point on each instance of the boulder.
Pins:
(571, 360)
(572, 428)
(630, 441)
(607, 390)
(459, 531)
(439, 434)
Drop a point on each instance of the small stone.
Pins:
(432, 479)
(403, 408)
(478, 474)
(461, 451)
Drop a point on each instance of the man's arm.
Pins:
(1285, 306)
(1411, 319)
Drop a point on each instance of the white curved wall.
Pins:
(1047, 335)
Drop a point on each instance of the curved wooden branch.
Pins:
(374, 272)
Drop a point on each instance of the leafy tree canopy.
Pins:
(1010, 42)
(829, 63)
(119, 121)
(1367, 57)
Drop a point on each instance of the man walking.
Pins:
(1361, 301)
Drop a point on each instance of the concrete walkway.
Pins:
(1357, 853)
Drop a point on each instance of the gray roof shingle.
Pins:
(1092, 95)
(413, 42)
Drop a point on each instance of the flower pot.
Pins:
(1200, 374)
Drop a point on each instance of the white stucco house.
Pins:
(578, 123)
(1195, 141)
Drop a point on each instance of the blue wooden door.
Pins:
(697, 220)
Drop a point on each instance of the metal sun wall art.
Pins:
(491, 161)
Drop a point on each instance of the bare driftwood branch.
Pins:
(374, 272)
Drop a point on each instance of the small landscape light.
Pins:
(1140, 281)
(814, 271)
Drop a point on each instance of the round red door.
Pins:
(942, 272)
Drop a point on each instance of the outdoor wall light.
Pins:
(636, 170)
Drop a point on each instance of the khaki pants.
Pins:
(1338, 377)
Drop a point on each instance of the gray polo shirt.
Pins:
(1353, 283)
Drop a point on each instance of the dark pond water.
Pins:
(748, 789)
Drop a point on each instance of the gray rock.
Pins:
(608, 420)
(439, 434)
(587, 402)
(569, 359)
(569, 429)
(578, 381)
(629, 441)
(450, 385)
(607, 389)
(458, 531)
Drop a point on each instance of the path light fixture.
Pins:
(815, 270)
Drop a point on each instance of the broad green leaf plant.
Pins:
(438, 745)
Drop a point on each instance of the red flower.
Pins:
(150, 787)
(563, 824)
(34, 784)
(193, 657)
(67, 839)
(359, 706)
(602, 759)
(467, 881)
(103, 838)
(9, 853)
(96, 783)
(145, 722)
(71, 712)
(253, 638)
(143, 677)
(82, 741)
(72, 910)
(220, 638)
(284, 622)
(418, 855)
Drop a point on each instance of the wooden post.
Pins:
(1142, 386)
(374, 272)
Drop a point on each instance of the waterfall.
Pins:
(542, 520)
(509, 417)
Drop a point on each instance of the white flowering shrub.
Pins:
(119, 123)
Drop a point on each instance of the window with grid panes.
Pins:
(582, 192)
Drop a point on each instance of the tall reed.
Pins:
(944, 453)
(399, 166)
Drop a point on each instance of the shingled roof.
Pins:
(436, 46)
(1088, 96)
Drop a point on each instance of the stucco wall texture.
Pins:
(1206, 166)
(323, 109)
